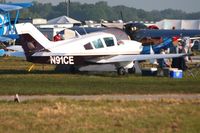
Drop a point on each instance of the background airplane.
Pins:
(160, 39)
(153, 39)
(7, 27)
(141, 33)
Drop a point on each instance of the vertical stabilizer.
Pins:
(28, 28)
(32, 40)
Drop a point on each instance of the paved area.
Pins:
(105, 97)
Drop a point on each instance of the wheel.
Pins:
(73, 69)
(121, 71)
(66, 69)
(131, 70)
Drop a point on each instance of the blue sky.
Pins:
(148, 5)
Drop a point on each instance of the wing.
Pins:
(165, 33)
(127, 58)
(8, 8)
(14, 6)
(23, 5)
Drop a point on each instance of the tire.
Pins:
(131, 70)
(73, 69)
(66, 69)
(121, 71)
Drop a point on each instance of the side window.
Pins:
(98, 43)
(88, 46)
(109, 41)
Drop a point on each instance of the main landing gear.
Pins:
(123, 71)
(67, 69)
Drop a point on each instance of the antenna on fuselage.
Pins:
(78, 35)
(85, 30)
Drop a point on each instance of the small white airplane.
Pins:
(93, 48)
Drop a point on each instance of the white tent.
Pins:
(178, 24)
(63, 20)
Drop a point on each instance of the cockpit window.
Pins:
(88, 46)
(98, 43)
(109, 41)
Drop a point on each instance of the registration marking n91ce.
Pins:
(65, 60)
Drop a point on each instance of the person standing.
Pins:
(57, 37)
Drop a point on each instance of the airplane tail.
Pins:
(32, 40)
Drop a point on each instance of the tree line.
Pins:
(101, 10)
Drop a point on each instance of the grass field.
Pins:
(164, 116)
(77, 116)
(14, 78)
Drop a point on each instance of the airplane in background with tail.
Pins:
(93, 48)
(152, 38)
(7, 27)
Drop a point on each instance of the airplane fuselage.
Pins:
(83, 50)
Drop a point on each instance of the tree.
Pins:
(101, 10)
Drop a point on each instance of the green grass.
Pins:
(196, 52)
(14, 78)
(85, 84)
(165, 116)
(77, 116)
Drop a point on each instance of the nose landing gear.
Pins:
(121, 71)
(124, 71)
